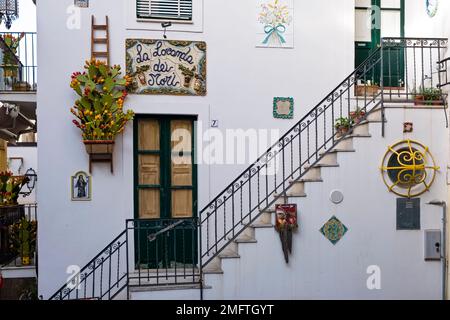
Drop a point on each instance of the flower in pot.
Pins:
(428, 96)
(10, 187)
(188, 74)
(358, 115)
(343, 126)
(23, 239)
(99, 110)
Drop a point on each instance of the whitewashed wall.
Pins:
(242, 81)
(29, 155)
(419, 24)
(321, 270)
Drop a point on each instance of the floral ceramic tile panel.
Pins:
(334, 230)
(275, 24)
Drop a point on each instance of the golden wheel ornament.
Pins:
(408, 169)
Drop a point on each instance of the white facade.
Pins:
(242, 81)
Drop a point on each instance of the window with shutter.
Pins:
(164, 9)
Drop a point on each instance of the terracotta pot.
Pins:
(357, 117)
(187, 81)
(362, 90)
(342, 131)
(99, 146)
(420, 101)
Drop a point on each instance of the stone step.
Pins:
(361, 128)
(312, 173)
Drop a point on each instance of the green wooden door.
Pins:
(165, 191)
(385, 18)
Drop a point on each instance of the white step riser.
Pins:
(297, 188)
(375, 116)
(329, 159)
(312, 174)
(248, 233)
(214, 266)
(230, 250)
(362, 129)
(346, 144)
(264, 218)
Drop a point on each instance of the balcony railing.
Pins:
(18, 61)
(18, 229)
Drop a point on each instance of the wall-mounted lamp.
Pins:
(165, 25)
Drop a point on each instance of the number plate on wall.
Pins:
(167, 67)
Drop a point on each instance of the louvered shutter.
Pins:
(164, 9)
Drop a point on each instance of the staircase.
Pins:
(284, 172)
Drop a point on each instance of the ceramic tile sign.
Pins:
(283, 108)
(334, 230)
(275, 24)
(167, 67)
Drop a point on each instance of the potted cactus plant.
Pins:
(99, 109)
(23, 239)
(343, 126)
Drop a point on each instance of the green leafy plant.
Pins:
(343, 123)
(23, 239)
(10, 187)
(428, 96)
(102, 93)
(10, 60)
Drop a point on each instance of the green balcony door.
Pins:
(374, 20)
(165, 190)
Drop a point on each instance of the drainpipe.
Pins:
(443, 204)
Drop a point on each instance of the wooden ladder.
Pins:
(96, 54)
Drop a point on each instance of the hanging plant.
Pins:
(99, 110)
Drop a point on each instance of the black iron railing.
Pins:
(411, 66)
(18, 61)
(148, 253)
(443, 72)
(368, 87)
(155, 251)
(18, 229)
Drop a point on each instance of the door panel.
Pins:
(149, 205)
(182, 204)
(149, 138)
(149, 170)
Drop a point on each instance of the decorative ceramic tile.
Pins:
(275, 24)
(334, 230)
(283, 108)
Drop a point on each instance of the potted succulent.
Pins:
(429, 97)
(99, 109)
(10, 60)
(10, 187)
(358, 115)
(23, 239)
(343, 126)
